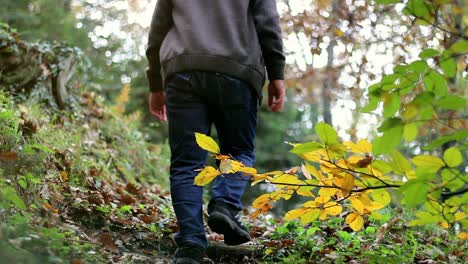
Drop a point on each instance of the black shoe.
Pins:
(189, 254)
(223, 219)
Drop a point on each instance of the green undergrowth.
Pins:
(53, 162)
(387, 240)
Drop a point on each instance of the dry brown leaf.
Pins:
(47, 206)
(108, 243)
(8, 155)
(127, 199)
(133, 189)
(148, 219)
(63, 176)
(76, 261)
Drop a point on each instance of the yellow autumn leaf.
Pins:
(256, 178)
(222, 157)
(315, 156)
(355, 221)
(460, 216)
(354, 159)
(290, 180)
(339, 32)
(295, 213)
(207, 143)
(313, 171)
(444, 224)
(262, 204)
(325, 206)
(261, 200)
(357, 204)
(363, 146)
(310, 216)
(247, 170)
(346, 183)
(206, 176)
(373, 207)
(333, 208)
(328, 192)
(305, 191)
(381, 196)
(255, 214)
(463, 236)
(281, 194)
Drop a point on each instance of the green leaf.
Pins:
(417, 8)
(126, 209)
(390, 123)
(425, 218)
(388, 141)
(424, 98)
(419, 66)
(449, 66)
(453, 178)
(410, 132)
(10, 194)
(306, 147)
(326, 133)
(371, 105)
(428, 83)
(460, 47)
(428, 53)
(431, 163)
(457, 136)
(382, 166)
(391, 105)
(390, 79)
(414, 192)
(451, 102)
(440, 84)
(453, 157)
(400, 163)
(400, 68)
(374, 87)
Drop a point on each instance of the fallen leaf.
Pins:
(63, 176)
(127, 199)
(8, 155)
(108, 243)
(76, 261)
(133, 189)
(47, 206)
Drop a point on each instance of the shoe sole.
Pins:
(233, 234)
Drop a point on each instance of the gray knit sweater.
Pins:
(235, 37)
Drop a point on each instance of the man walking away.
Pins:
(210, 56)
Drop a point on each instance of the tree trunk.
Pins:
(329, 84)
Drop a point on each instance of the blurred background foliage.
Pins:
(335, 50)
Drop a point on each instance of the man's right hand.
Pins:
(157, 105)
(276, 95)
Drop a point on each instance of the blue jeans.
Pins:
(195, 100)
